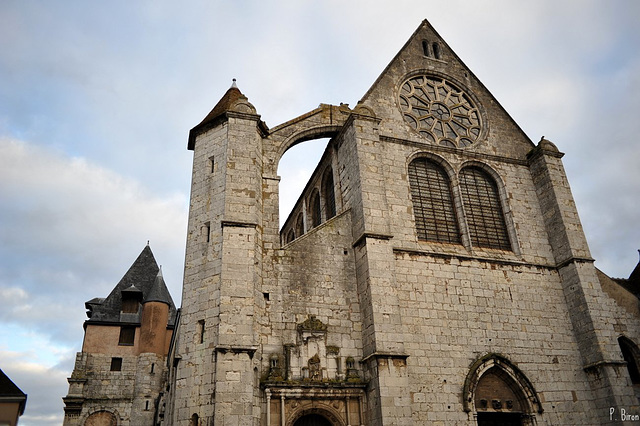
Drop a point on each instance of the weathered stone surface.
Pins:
(346, 313)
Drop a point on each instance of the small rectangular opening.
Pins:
(266, 296)
(116, 364)
(207, 231)
(201, 327)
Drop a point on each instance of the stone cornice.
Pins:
(461, 152)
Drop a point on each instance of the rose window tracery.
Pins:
(440, 111)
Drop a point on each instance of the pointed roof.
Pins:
(427, 53)
(9, 392)
(141, 277)
(224, 105)
(159, 291)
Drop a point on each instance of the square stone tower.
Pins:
(433, 271)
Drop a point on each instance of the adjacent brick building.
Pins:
(433, 271)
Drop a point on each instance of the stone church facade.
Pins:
(433, 271)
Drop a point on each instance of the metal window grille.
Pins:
(432, 203)
(483, 210)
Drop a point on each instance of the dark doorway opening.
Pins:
(312, 420)
(499, 419)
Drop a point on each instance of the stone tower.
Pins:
(434, 269)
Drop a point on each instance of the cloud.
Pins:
(67, 224)
(95, 118)
(44, 386)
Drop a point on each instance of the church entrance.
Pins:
(499, 419)
(312, 420)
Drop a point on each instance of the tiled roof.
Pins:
(223, 106)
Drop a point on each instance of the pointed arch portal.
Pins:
(498, 393)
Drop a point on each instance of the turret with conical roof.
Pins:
(126, 342)
(155, 315)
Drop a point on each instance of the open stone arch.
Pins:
(493, 378)
(332, 417)
(326, 121)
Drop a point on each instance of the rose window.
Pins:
(440, 111)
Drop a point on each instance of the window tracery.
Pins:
(440, 111)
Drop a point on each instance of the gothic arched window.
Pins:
(483, 210)
(328, 194)
(432, 202)
(425, 47)
(436, 50)
(290, 236)
(629, 353)
(299, 225)
(316, 217)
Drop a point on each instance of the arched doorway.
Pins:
(312, 420)
(498, 400)
(499, 394)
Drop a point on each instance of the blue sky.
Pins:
(97, 98)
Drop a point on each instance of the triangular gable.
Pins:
(427, 54)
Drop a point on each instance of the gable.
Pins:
(428, 95)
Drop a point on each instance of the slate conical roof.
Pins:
(142, 277)
(159, 291)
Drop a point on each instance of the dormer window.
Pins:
(131, 299)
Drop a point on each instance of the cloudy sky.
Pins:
(97, 98)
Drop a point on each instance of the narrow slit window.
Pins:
(432, 202)
(425, 47)
(207, 231)
(436, 50)
(201, 331)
